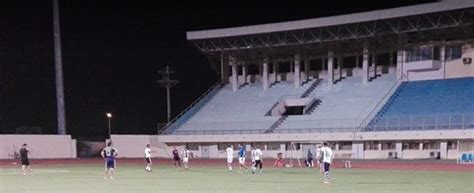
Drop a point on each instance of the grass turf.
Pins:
(133, 178)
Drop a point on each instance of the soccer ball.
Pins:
(148, 169)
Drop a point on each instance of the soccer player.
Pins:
(230, 156)
(242, 158)
(148, 158)
(252, 155)
(327, 160)
(176, 158)
(319, 158)
(25, 162)
(186, 155)
(109, 153)
(258, 160)
(309, 159)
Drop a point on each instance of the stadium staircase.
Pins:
(276, 124)
(313, 106)
(341, 106)
(310, 109)
(240, 111)
(312, 88)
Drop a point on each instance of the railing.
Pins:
(238, 125)
(181, 118)
(382, 102)
(277, 131)
(322, 123)
(219, 132)
(435, 122)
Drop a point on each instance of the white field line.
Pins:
(9, 172)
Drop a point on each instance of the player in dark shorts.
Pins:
(25, 162)
(109, 153)
(176, 158)
(148, 158)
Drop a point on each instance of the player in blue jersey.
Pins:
(241, 154)
(109, 153)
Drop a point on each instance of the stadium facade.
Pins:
(392, 83)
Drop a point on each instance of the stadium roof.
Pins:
(332, 20)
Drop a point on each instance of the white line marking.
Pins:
(38, 171)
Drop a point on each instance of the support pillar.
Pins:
(244, 73)
(330, 68)
(374, 65)
(399, 64)
(265, 74)
(235, 78)
(399, 149)
(306, 68)
(275, 71)
(297, 70)
(365, 65)
(442, 58)
(224, 70)
(340, 61)
(443, 150)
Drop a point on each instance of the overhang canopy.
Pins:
(333, 20)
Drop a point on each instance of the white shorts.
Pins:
(185, 160)
(229, 160)
(241, 160)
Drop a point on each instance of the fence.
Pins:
(435, 122)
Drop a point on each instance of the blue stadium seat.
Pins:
(464, 158)
(428, 105)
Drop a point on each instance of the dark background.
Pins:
(111, 52)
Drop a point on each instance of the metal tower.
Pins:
(168, 84)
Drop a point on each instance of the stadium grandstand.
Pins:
(387, 93)
(392, 83)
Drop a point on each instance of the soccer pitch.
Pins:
(204, 179)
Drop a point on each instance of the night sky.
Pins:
(111, 52)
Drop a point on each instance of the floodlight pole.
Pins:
(168, 104)
(61, 113)
(109, 117)
(168, 84)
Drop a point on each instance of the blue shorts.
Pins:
(110, 164)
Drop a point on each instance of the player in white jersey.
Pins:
(230, 156)
(252, 157)
(319, 159)
(257, 156)
(327, 160)
(148, 158)
(185, 154)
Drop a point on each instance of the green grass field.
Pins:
(132, 178)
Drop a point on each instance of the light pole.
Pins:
(58, 66)
(167, 82)
(109, 117)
